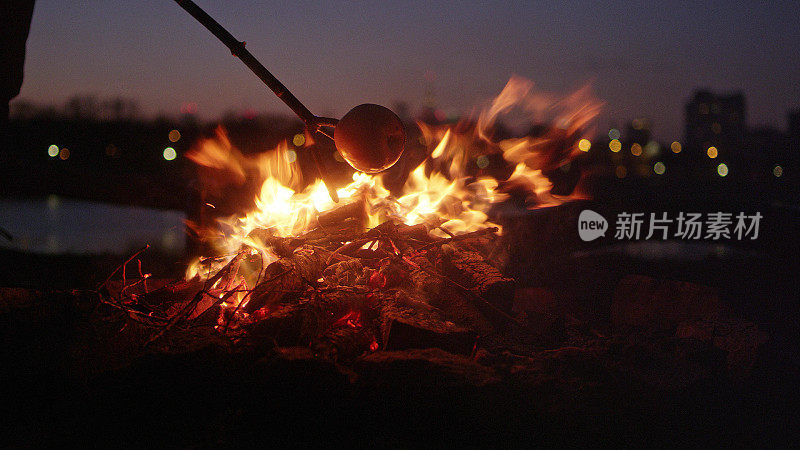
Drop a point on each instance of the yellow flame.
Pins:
(439, 192)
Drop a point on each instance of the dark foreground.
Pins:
(695, 376)
(617, 347)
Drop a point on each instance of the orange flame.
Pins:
(446, 190)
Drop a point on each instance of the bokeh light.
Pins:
(482, 162)
(170, 153)
(174, 136)
(712, 152)
(621, 172)
(584, 145)
(636, 149)
(52, 151)
(722, 170)
(64, 154)
(652, 149)
(777, 171)
(659, 168)
(299, 140)
(615, 145)
(613, 133)
(676, 147)
(291, 156)
(53, 202)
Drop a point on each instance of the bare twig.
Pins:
(459, 237)
(187, 310)
(122, 266)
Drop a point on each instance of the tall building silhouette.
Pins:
(794, 132)
(716, 121)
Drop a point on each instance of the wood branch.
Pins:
(423, 281)
(491, 311)
(344, 273)
(282, 326)
(282, 246)
(461, 237)
(336, 217)
(300, 269)
(178, 291)
(192, 305)
(344, 343)
(405, 326)
(471, 270)
(330, 309)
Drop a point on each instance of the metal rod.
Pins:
(238, 50)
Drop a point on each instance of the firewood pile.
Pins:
(341, 291)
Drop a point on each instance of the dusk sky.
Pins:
(644, 59)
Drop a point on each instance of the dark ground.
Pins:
(589, 373)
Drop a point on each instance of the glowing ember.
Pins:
(351, 319)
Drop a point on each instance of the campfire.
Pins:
(378, 270)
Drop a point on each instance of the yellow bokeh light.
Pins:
(676, 147)
(722, 169)
(584, 145)
(615, 145)
(712, 152)
(170, 154)
(777, 171)
(636, 149)
(299, 140)
(659, 168)
(174, 136)
(621, 172)
(52, 151)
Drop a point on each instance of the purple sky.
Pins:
(645, 59)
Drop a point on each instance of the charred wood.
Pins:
(471, 270)
(404, 326)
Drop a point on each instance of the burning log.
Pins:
(335, 225)
(406, 324)
(344, 273)
(314, 317)
(471, 270)
(288, 277)
(282, 326)
(332, 309)
(345, 343)
(335, 218)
